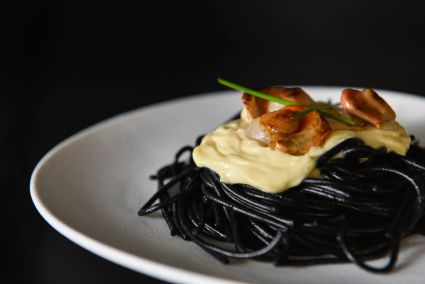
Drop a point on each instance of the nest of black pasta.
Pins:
(366, 201)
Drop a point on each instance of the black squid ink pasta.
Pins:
(359, 210)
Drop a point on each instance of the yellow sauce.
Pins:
(239, 159)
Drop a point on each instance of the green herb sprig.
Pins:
(256, 93)
(311, 109)
(338, 118)
(264, 96)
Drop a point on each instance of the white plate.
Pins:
(90, 187)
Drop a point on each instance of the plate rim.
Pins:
(122, 258)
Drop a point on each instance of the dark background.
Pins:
(65, 65)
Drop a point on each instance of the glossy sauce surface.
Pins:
(239, 159)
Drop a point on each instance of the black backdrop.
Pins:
(65, 65)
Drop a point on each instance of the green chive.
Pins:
(267, 97)
(255, 93)
(338, 118)
(311, 109)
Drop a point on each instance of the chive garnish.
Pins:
(267, 97)
(311, 109)
(338, 118)
(256, 93)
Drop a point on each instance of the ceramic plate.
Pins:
(90, 187)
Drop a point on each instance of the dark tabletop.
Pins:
(65, 65)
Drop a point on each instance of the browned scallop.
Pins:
(367, 105)
(257, 107)
(278, 124)
(256, 131)
(292, 136)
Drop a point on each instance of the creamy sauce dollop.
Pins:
(238, 159)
